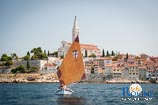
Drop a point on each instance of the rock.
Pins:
(30, 78)
(15, 81)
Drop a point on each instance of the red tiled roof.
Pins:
(109, 65)
(132, 65)
(88, 46)
(49, 64)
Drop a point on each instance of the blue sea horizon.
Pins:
(84, 94)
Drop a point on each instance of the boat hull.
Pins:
(62, 91)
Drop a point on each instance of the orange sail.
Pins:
(72, 67)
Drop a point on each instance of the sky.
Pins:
(120, 25)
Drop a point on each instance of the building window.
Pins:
(75, 54)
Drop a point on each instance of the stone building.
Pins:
(142, 73)
(85, 48)
(131, 72)
(117, 72)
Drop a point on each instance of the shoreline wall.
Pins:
(52, 77)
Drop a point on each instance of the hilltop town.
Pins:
(104, 67)
(39, 65)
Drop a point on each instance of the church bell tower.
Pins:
(75, 30)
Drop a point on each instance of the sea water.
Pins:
(84, 94)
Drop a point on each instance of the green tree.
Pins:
(112, 53)
(115, 58)
(8, 63)
(127, 56)
(5, 57)
(7, 60)
(62, 57)
(28, 65)
(45, 52)
(32, 70)
(14, 56)
(19, 69)
(119, 56)
(48, 53)
(103, 53)
(43, 56)
(38, 54)
(107, 53)
(36, 51)
(35, 57)
(27, 57)
(137, 57)
(28, 53)
(86, 53)
(92, 55)
(55, 53)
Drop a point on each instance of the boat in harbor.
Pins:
(71, 69)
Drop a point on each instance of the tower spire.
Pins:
(75, 29)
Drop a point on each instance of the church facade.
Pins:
(86, 49)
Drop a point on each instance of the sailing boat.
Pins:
(71, 69)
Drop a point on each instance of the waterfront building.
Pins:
(155, 61)
(5, 70)
(144, 56)
(142, 73)
(89, 48)
(44, 66)
(88, 63)
(102, 62)
(125, 73)
(48, 68)
(108, 72)
(33, 63)
(153, 74)
(117, 72)
(131, 72)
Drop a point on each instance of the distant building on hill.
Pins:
(86, 49)
(44, 66)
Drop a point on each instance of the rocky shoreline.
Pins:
(26, 78)
(52, 78)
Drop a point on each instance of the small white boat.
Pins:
(71, 69)
(63, 91)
